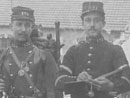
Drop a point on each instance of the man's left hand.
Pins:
(105, 84)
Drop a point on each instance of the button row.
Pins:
(11, 63)
(89, 62)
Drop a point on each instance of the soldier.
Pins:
(90, 60)
(28, 72)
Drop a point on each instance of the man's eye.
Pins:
(19, 24)
(98, 20)
(88, 20)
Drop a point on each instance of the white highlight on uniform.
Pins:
(66, 68)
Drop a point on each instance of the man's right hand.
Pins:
(2, 85)
(84, 76)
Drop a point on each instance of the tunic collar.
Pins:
(97, 39)
(16, 44)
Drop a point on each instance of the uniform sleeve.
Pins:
(65, 73)
(50, 70)
(7, 80)
(122, 81)
(4, 71)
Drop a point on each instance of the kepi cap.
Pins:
(88, 7)
(22, 13)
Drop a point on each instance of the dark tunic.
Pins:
(41, 69)
(97, 58)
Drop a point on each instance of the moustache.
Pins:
(92, 29)
(22, 33)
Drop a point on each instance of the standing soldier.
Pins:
(90, 60)
(28, 72)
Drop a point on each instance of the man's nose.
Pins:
(92, 23)
(23, 28)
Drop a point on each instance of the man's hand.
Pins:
(2, 85)
(105, 84)
(84, 76)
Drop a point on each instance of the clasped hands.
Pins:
(103, 83)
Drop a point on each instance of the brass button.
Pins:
(10, 64)
(91, 47)
(10, 52)
(21, 96)
(11, 75)
(30, 62)
(30, 86)
(13, 87)
(89, 62)
(89, 54)
(88, 69)
(30, 75)
(30, 51)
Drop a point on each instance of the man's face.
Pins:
(21, 29)
(93, 24)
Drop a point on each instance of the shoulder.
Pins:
(116, 49)
(111, 46)
(79, 45)
(107, 44)
(74, 47)
(73, 50)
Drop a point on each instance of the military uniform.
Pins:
(28, 72)
(97, 57)
(41, 69)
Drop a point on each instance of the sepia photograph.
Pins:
(64, 48)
